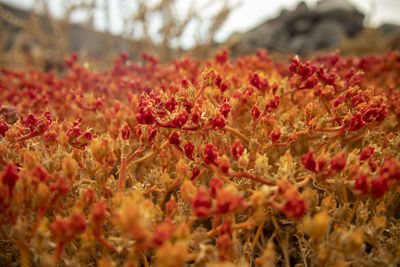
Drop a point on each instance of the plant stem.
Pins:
(59, 249)
(259, 229)
(28, 136)
(137, 151)
(329, 129)
(23, 250)
(353, 211)
(121, 179)
(236, 132)
(105, 243)
(248, 175)
(151, 154)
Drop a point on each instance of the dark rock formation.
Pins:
(388, 29)
(302, 30)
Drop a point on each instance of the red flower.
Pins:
(163, 232)
(174, 139)
(171, 207)
(99, 212)
(237, 149)
(10, 177)
(151, 131)
(224, 164)
(60, 187)
(304, 70)
(145, 115)
(362, 183)
(225, 109)
(275, 135)
(65, 230)
(202, 204)
(338, 162)
(218, 122)
(356, 123)
(3, 128)
(309, 162)
(379, 187)
(222, 56)
(195, 173)
(255, 80)
(196, 114)
(255, 112)
(189, 148)
(224, 244)
(367, 153)
(228, 201)
(215, 185)
(210, 154)
(180, 119)
(272, 104)
(295, 208)
(88, 197)
(125, 132)
(226, 228)
(171, 104)
(390, 169)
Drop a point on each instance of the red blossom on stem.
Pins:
(65, 230)
(294, 205)
(255, 112)
(224, 245)
(309, 162)
(272, 104)
(257, 82)
(174, 139)
(237, 149)
(215, 185)
(218, 122)
(356, 123)
(302, 69)
(145, 115)
(222, 56)
(390, 169)
(338, 162)
(202, 204)
(10, 177)
(229, 201)
(224, 164)
(195, 173)
(294, 208)
(171, 207)
(189, 148)
(362, 183)
(3, 128)
(171, 104)
(379, 187)
(367, 153)
(125, 132)
(275, 135)
(163, 232)
(225, 109)
(180, 120)
(210, 154)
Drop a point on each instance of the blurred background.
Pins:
(41, 33)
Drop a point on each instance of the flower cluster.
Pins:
(246, 162)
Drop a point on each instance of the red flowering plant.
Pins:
(245, 161)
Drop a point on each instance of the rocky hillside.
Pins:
(303, 30)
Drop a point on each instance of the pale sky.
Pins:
(248, 15)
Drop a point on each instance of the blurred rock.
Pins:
(303, 30)
(388, 29)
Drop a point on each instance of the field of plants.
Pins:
(221, 162)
